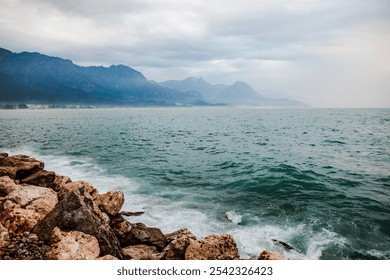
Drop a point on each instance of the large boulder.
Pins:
(135, 234)
(42, 178)
(7, 185)
(271, 255)
(41, 200)
(73, 245)
(111, 202)
(74, 186)
(140, 252)
(77, 211)
(213, 247)
(178, 244)
(19, 166)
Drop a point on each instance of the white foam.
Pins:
(233, 217)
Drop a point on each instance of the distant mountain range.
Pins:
(35, 78)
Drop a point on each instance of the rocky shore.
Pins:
(44, 215)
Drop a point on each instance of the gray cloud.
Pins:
(323, 52)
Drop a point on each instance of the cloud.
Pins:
(311, 49)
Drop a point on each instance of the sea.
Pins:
(316, 179)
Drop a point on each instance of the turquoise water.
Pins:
(318, 179)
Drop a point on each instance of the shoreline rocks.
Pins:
(44, 215)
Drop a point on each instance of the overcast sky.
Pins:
(326, 53)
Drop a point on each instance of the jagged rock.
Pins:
(213, 247)
(176, 249)
(135, 234)
(270, 255)
(19, 166)
(111, 202)
(4, 236)
(42, 178)
(77, 211)
(184, 232)
(73, 245)
(59, 182)
(88, 188)
(18, 220)
(140, 252)
(3, 155)
(107, 258)
(178, 243)
(7, 185)
(26, 247)
(42, 200)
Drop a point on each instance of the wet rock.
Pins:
(42, 178)
(73, 245)
(42, 200)
(77, 211)
(129, 214)
(213, 247)
(26, 247)
(135, 234)
(140, 252)
(7, 185)
(111, 202)
(271, 255)
(19, 166)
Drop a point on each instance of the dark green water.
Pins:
(318, 179)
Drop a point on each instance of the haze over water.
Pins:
(318, 179)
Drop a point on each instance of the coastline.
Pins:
(47, 216)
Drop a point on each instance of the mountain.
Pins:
(239, 93)
(36, 78)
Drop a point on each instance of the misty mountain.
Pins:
(239, 93)
(36, 78)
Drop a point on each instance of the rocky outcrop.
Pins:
(77, 211)
(44, 215)
(213, 247)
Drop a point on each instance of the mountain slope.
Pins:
(36, 78)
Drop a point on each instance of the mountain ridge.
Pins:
(31, 77)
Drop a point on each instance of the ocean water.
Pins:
(318, 179)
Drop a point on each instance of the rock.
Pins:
(59, 182)
(111, 202)
(270, 255)
(135, 234)
(19, 166)
(3, 155)
(87, 188)
(213, 247)
(176, 249)
(178, 243)
(18, 221)
(42, 200)
(4, 236)
(42, 178)
(129, 214)
(73, 245)
(140, 252)
(7, 185)
(107, 258)
(179, 234)
(77, 211)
